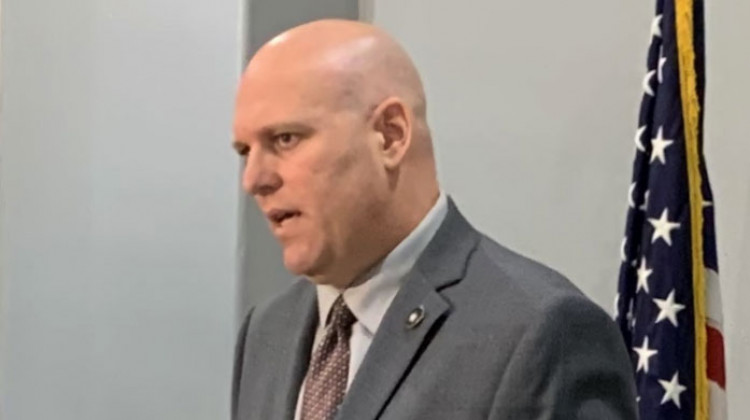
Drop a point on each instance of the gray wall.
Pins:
(119, 208)
(534, 108)
(728, 154)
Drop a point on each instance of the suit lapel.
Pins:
(397, 343)
(294, 354)
(392, 350)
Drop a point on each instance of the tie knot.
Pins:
(341, 317)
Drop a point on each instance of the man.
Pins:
(403, 311)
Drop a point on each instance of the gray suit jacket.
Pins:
(502, 337)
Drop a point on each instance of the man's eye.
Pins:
(286, 140)
(241, 149)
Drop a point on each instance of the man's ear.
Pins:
(392, 119)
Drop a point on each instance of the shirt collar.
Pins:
(369, 299)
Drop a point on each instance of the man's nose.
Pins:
(260, 176)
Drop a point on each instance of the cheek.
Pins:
(354, 196)
(328, 178)
(336, 182)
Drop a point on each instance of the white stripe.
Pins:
(713, 299)
(717, 402)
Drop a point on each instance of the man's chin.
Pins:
(308, 271)
(300, 266)
(307, 261)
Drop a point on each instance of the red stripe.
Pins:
(715, 357)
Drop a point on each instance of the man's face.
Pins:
(312, 167)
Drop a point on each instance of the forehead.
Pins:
(258, 93)
(287, 90)
(269, 93)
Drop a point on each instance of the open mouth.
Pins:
(278, 217)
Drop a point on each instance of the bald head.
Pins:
(331, 116)
(359, 64)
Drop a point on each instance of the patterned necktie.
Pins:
(325, 383)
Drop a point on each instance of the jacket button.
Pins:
(415, 317)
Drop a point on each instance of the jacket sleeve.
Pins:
(570, 364)
(239, 357)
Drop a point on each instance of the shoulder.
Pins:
(557, 341)
(514, 290)
(537, 310)
(530, 275)
(509, 272)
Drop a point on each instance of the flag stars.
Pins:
(668, 309)
(631, 190)
(616, 306)
(630, 316)
(647, 83)
(660, 72)
(644, 354)
(643, 273)
(663, 227)
(644, 206)
(659, 146)
(638, 139)
(672, 390)
(656, 26)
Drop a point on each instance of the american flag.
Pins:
(668, 304)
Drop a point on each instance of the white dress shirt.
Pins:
(370, 299)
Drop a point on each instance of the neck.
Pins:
(388, 235)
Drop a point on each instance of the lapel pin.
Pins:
(415, 317)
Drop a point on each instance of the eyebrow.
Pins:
(295, 126)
